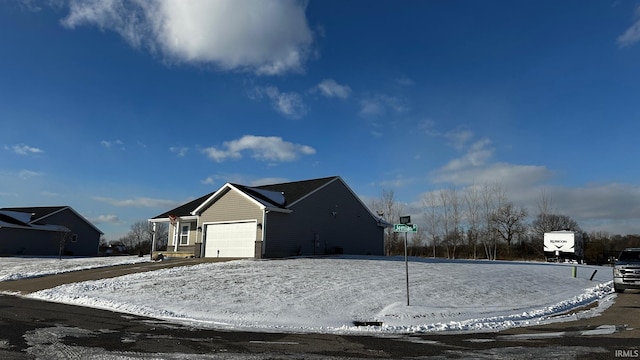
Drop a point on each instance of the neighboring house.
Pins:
(312, 217)
(42, 231)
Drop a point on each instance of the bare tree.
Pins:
(433, 218)
(473, 207)
(61, 237)
(140, 236)
(509, 223)
(162, 236)
(492, 197)
(391, 210)
(417, 242)
(452, 216)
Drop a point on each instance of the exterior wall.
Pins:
(28, 242)
(331, 220)
(193, 234)
(88, 238)
(231, 206)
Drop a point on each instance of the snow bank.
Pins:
(329, 294)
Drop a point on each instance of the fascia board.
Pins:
(338, 178)
(219, 193)
(314, 191)
(73, 211)
(197, 210)
(280, 210)
(250, 198)
(373, 216)
(160, 220)
(35, 227)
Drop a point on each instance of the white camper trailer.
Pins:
(563, 246)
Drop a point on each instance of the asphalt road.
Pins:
(31, 329)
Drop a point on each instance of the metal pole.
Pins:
(406, 265)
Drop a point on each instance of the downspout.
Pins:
(264, 231)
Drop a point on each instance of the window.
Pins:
(74, 238)
(184, 235)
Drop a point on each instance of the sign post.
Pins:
(405, 226)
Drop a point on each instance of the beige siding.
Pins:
(232, 206)
(192, 233)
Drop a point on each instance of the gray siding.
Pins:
(28, 242)
(327, 222)
(88, 238)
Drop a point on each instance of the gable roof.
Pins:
(39, 213)
(298, 190)
(274, 196)
(185, 209)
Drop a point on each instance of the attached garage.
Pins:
(310, 217)
(232, 239)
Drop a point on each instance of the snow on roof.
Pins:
(276, 197)
(22, 217)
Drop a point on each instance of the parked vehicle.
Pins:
(567, 246)
(626, 270)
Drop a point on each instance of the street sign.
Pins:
(405, 228)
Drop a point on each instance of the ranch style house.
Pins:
(302, 218)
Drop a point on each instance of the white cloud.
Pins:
(268, 181)
(137, 202)
(475, 165)
(288, 104)
(381, 104)
(608, 207)
(111, 143)
(632, 34)
(181, 151)
(26, 174)
(208, 181)
(102, 219)
(330, 88)
(458, 138)
(265, 37)
(22, 149)
(405, 81)
(266, 148)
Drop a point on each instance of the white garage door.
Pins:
(231, 240)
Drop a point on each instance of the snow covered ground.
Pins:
(329, 294)
(14, 268)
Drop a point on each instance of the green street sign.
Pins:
(405, 228)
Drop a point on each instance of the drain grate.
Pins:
(367, 323)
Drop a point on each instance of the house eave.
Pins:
(182, 218)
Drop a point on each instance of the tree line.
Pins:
(139, 238)
(480, 222)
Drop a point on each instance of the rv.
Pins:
(563, 245)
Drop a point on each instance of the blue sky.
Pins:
(124, 109)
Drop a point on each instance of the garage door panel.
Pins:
(231, 239)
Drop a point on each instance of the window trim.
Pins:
(184, 235)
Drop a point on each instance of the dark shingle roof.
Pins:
(296, 190)
(40, 212)
(37, 212)
(293, 191)
(185, 209)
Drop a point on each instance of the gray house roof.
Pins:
(278, 196)
(40, 213)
